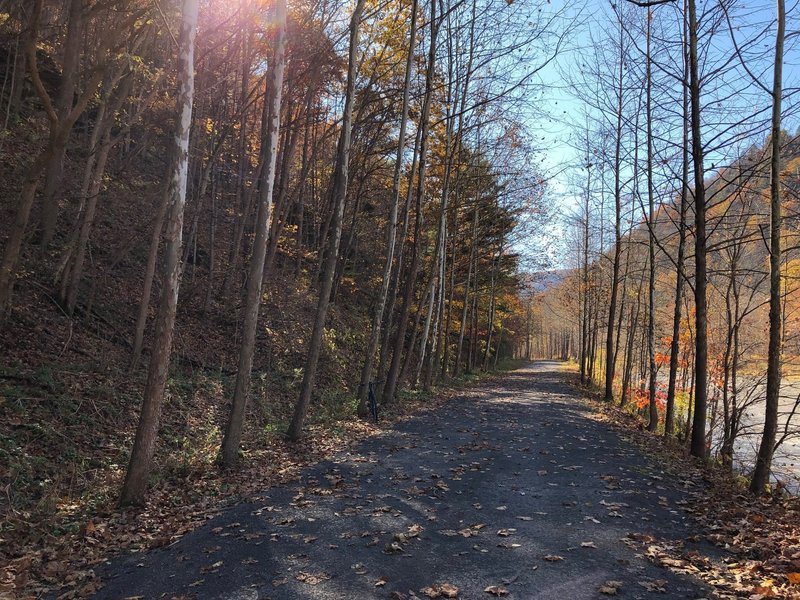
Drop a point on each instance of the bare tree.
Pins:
(339, 193)
(272, 115)
(391, 226)
(135, 485)
(766, 449)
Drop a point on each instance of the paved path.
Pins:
(511, 486)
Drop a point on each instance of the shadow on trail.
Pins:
(509, 485)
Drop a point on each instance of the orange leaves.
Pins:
(641, 398)
(662, 359)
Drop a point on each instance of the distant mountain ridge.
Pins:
(544, 280)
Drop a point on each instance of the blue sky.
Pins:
(751, 21)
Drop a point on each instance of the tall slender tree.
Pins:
(390, 387)
(698, 444)
(391, 226)
(766, 448)
(272, 115)
(135, 485)
(339, 193)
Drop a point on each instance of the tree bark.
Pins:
(63, 106)
(391, 226)
(272, 114)
(408, 290)
(135, 485)
(669, 419)
(766, 449)
(652, 424)
(698, 445)
(464, 308)
(612, 303)
(338, 193)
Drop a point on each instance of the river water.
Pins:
(786, 462)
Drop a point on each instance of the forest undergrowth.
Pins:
(66, 428)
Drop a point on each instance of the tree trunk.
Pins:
(63, 107)
(386, 338)
(652, 424)
(669, 419)
(766, 448)
(612, 304)
(408, 290)
(135, 484)
(272, 116)
(698, 446)
(339, 193)
(585, 273)
(464, 308)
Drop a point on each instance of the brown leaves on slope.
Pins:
(176, 507)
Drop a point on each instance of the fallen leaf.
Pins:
(765, 591)
(656, 585)
(312, 578)
(212, 567)
(496, 590)
(448, 590)
(610, 588)
(393, 548)
(552, 557)
(506, 532)
(440, 590)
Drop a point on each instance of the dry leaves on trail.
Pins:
(610, 588)
(655, 585)
(172, 510)
(412, 532)
(496, 590)
(506, 532)
(312, 578)
(440, 590)
(757, 535)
